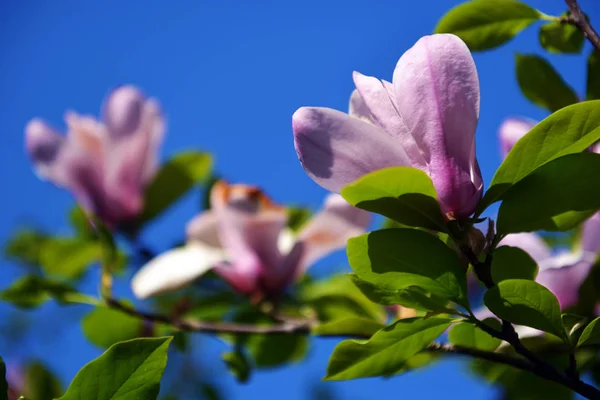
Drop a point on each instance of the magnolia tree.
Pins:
(508, 293)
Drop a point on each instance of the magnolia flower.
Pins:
(511, 130)
(244, 240)
(106, 165)
(426, 118)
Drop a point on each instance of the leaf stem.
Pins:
(578, 19)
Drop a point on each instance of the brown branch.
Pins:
(578, 19)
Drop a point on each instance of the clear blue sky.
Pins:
(229, 75)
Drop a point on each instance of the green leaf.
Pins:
(561, 38)
(591, 334)
(572, 323)
(81, 223)
(541, 84)
(127, 370)
(512, 263)
(41, 383)
(528, 303)
(238, 365)
(3, 383)
(485, 24)
(387, 351)
(349, 326)
(24, 246)
(396, 259)
(297, 217)
(105, 327)
(567, 131)
(403, 194)
(31, 291)
(556, 197)
(173, 180)
(593, 76)
(468, 335)
(69, 257)
(411, 297)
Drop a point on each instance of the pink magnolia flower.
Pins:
(106, 165)
(511, 130)
(426, 118)
(243, 238)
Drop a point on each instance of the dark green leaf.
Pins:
(387, 351)
(297, 217)
(541, 84)
(468, 335)
(3, 383)
(350, 326)
(561, 38)
(127, 370)
(591, 334)
(570, 130)
(528, 303)
(69, 257)
(173, 180)
(403, 194)
(411, 297)
(485, 24)
(40, 383)
(31, 291)
(24, 246)
(105, 327)
(396, 259)
(593, 76)
(572, 323)
(512, 263)
(238, 365)
(556, 197)
(81, 223)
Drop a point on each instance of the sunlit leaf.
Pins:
(105, 327)
(468, 335)
(559, 37)
(591, 334)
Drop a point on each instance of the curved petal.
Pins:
(590, 238)
(358, 109)
(248, 225)
(174, 269)
(565, 281)
(44, 146)
(511, 130)
(328, 231)
(134, 127)
(384, 115)
(203, 228)
(437, 93)
(336, 149)
(531, 243)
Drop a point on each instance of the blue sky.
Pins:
(229, 75)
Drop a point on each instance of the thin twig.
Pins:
(578, 19)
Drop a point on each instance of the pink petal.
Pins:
(590, 238)
(328, 231)
(203, 228)
(358, 109)
(249, 225)
(437, 94)
(511, 130)
(564, 281)
(531, 243)
(44, 146)
(336, 149)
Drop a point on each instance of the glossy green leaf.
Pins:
(396, 259)
(593, 76)
(468, 335)
(411, 297)
(525, 302)
(591, 334)
(403, 194)
(512, 263)
(69, 257)
(567, 131)
(238, 365)
(387, 351)
(556, 197)
(31, 291)
(105, 327)
(353, 326)
(127, 370)
(485, 24)
(3, 383)
(542, 84)
(173, 180)
(561, 38)
(40, 383)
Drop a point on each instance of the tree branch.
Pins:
(578, 19)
